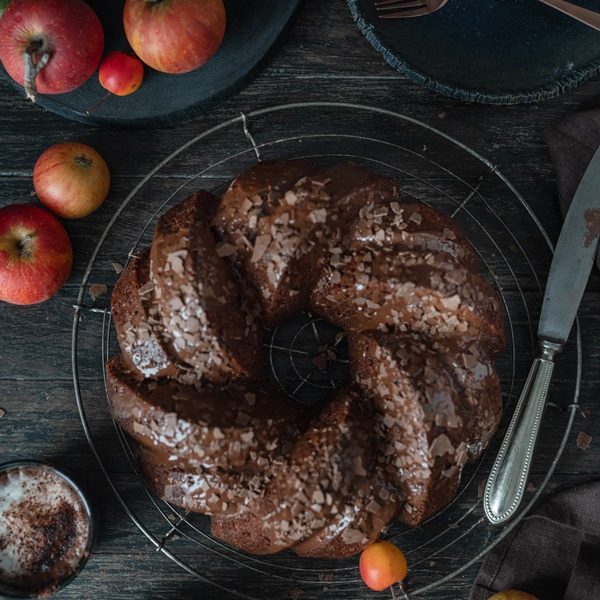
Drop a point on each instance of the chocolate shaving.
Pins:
(584, 441)
(97, 290)
(225, 250)
(441, 445)
(2, 412)
(321, 361)
(260, 247)
(118, 267)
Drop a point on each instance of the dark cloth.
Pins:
(572, 143)
(553, 554)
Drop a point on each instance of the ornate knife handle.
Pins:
(505, 486)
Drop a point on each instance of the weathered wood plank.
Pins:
(324, 58)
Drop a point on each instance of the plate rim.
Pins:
(557, 87)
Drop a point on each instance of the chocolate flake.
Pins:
(260, 247)
(225, 250)
(97, 290)
(440, 446)
(321, 361)
(584, 440)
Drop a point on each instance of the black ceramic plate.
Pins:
(253, 28)
(492, 51)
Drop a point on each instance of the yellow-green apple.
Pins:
(174, 36)
(50, 46)
(71, 179)
(381, 565)
(35, 254)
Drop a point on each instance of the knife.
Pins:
(569, 274)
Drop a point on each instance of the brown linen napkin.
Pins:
(572, 143)
(554, 553)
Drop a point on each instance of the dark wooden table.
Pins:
(323, 58)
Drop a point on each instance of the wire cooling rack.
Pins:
(307, 355)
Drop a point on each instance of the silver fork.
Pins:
(405, 9)
(585, 15)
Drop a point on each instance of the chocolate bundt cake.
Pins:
(211, 436)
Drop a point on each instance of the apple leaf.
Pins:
(3, 5)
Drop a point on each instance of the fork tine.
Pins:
(388, 2)
(401, 5)
(405, 14)
(405, 9)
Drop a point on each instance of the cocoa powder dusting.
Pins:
(592, 220)
(56, 533)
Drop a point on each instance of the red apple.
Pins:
(121, 74)
(35, 254)
(71, 179)
(50, 46)
(174, 36)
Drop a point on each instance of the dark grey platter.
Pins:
(490, 51)
(253, 29)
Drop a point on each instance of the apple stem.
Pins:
(98, 104)
(32, 70)
(25, 245)
(84, 161)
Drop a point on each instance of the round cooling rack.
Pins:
(307, 355)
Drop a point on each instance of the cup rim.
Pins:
(59, 585)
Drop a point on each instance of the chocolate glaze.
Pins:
(292, 224)
(331, 470)
(208, 427)
(213, 328)
(410, 227)
(431, 423)
(390, 291)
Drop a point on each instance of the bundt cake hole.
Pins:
(307, 358)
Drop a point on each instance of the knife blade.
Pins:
(573, 258)
(567, 280)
